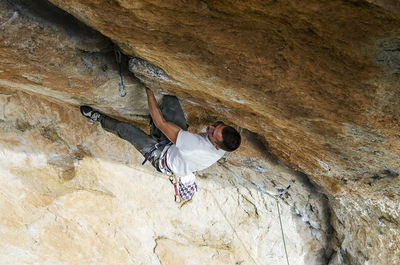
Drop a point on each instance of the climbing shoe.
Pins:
(90, 113)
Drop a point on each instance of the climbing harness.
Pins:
(183, 192)
(155, 147)
(121, 86)
(265, 192)
(172, 177)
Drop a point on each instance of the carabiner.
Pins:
(121, 84)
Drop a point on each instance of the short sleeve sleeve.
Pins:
(185, 140)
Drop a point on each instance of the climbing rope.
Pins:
(121, 86)
(232, 227)
(265, 192)
(283, 236)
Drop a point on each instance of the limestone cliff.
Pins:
(313, 86)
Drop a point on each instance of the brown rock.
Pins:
(314, 85)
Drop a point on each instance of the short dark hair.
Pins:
(231, 139)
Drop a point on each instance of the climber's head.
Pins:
(223, 136)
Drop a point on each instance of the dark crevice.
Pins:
(48, 15)
(260, 144)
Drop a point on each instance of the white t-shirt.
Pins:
(192, 152)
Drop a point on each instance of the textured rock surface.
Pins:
(314, 85)
(73, 194)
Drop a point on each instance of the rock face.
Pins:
(314, 87)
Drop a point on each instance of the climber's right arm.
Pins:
(169, 129)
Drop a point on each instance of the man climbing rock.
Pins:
(170, 148)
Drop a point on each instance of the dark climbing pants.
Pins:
(172, 112)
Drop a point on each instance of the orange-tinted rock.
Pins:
(318, 82)
(304, 75)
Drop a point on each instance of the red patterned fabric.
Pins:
(187, 191)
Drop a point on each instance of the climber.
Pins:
(170, 148)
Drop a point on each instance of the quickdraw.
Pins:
(121, 85)
(173, 181)
(283, 192)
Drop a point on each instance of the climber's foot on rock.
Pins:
(90, 113)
